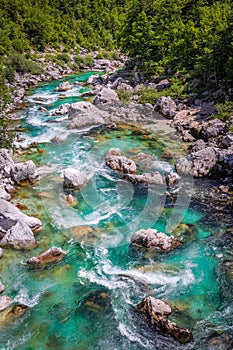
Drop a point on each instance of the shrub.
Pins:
(225, 110)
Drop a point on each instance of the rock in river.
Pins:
(9, 309)
(115, 160)
(156, 312)
(151, 238)
(51, 255)
(74, 178)
(106, 95)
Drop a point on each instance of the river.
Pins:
(87, 300)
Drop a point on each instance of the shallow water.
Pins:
(87, 300)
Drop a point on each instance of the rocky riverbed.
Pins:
(108, 259)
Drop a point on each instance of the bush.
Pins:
(85, 60)
(21, 64)
(225, 110)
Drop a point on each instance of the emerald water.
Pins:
(87, 300)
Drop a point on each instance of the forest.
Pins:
(161, 36)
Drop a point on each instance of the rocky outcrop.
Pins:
(152, 239)
(115, 160)
(106, 95)
(52, 255)
(156, 312)
(212, 128)
(74, 178)
(154, 178)
(166, 106)
(9, 309)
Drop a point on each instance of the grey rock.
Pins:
(5, 159)
(94, 79)
(23, 171)
(4, 194)
(1, 252)
(65, 86)
(156, 312)
(212, 128)
(105, 95)
(225, 161)
(113, 152)
(122, 164)
(51, 255)
(163, 84)
(18, 236)
(199, 164)
(74, 178)
(85, 114)
(227, 140)
(9, 213)
(2, 287)
(151, 238)
(199, 145)
(61, 110)
(147, 178)
(166, 106)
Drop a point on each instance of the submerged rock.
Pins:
(18, 236)
(74, 178)
(156, 312)
(98, 301)
(150, 238)
(220, 341)
(51, 255)
(154, 178)
(9, 310)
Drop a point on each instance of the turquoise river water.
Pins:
(87, 300)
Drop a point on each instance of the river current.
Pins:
(87, 301)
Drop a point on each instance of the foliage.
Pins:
(85, 60)
(225, 110)
(6, 135)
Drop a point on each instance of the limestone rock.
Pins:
(150, 238)
(2, 287)
(5, 301)
(51, 255)
(106, 95)
(10, 215)
(65, 86)
(18, 236)
(212, 128)
(166, 106)
(4, 194)
(113, 152)
(199, 164)
(61, 110)
(1, 252)
(74, 178)
(147, 178)
(23, 171)
(122, 164)
(156, 312)
(85, 114)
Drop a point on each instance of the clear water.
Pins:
(87, 300)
